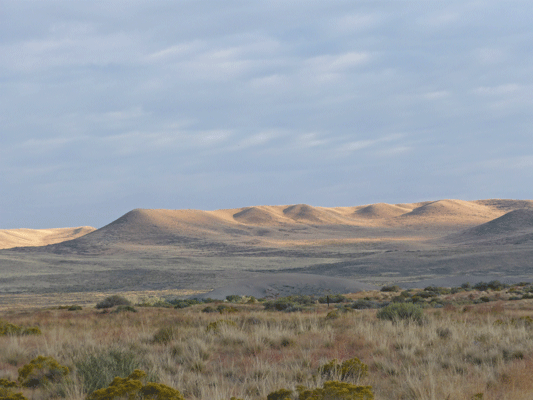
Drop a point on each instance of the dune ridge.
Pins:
(10, 238)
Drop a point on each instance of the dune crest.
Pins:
(10, 238)
(381, 211)
(453, 212)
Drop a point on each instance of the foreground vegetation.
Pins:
(463, 343)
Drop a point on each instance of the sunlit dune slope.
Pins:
(40, 237)
(381, 211)
(457, 212)
(273, 225)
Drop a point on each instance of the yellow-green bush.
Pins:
(7, 394)
(215, 326)
(334, 390)
(349, 369)
(7, 328)
(40, 371)
(132, 388)
(281, 394)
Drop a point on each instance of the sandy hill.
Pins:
(256, 216)
(512, 224)
(10, 238)
(382, 211)
(457, 212)
(273, 226)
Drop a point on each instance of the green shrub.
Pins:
(97, 370)
(41, 371)
(120, 309)
(223, 309)
(391, 288)
(401, 311)
(165, 335)
(349, 369)
(289, 303)
(113, 301)
(362, 304)
(281, 394)
(334, 298)
(333, 390)
(132, 388)
(216, 325)
(9, 329)
(184, 303)
(74, 307)
(7, 394)
(234, 298)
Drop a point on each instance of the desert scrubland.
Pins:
(445, 339)
(466, 343)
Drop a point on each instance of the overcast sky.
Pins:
(107, 106)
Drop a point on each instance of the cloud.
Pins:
(122, 99)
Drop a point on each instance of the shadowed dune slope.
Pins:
(303, 213)
(40, 237)
(512, 223)
(256, 216)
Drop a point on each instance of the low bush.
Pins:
(8, 329)
(113, 301)
(178, 303)
(7, 394)
(120, 309)
(391, 288)
(362, 304)
(334, 298)
(281, 394)
(334, 390)
(41, 371)
(401, 311)
(234, 298)
(132, 388)
(349, 369)
(289, 303)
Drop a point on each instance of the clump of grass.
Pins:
(401, 311)
(97, 370)
(165, 335)
(112, 301)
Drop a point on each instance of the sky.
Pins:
(107, 106)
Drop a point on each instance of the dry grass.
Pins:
(454, 354)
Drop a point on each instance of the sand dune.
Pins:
(381, 211)
(40, 237)
(256, 216)
(457, 212)
(512, 224)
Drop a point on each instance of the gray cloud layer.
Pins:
(108, 106)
